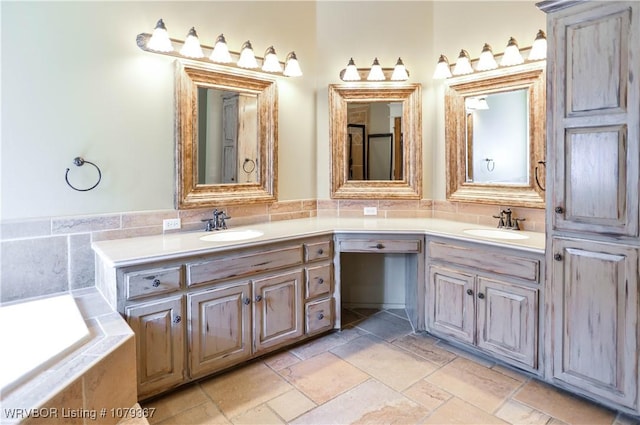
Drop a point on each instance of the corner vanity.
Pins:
(198, 307)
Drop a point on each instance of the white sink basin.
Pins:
(496, 234)
(232, 235)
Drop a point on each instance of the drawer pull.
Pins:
(320, 251)
(177, 319)
(557, 257)
(156, 283)
(246, 301)
(469, 291)
(320, 316)
(320, 280)
(480, 295)
(258, 298)
(377, 246)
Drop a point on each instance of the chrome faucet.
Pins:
(506, 221)
(217, 222)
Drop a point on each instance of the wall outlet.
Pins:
(370, 211)
(171, 224)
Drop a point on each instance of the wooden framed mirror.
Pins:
(376, 141)
(495, 136)
(226, 137)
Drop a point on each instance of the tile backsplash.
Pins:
(50, 255)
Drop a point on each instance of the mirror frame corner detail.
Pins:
(530, 77)
(410, 186)
(190, 75)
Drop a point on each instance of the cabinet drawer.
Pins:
(319, 315)
(488, 260)
(243, 264)
(150, 282)
(317, 251)
(381, 245)
(318, 281)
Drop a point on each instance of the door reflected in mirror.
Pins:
(227, 137)
(498, 138)
(375, 141)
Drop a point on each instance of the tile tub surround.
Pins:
(338, 379)
(51, 255)
(99, 374)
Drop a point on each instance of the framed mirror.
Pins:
(376, 141)
(495, 136)
(226, 137)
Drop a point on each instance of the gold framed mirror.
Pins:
(495, 136)
(226, 137)
(376, 141)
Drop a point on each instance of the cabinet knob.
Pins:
(559, 210)
(481, 295)
(379, 246)
(246, 301)
(320, 281)
(177, 319)
(320, 316)
(469, 291)
(557, 257)
(320, 251)
(156, 283)
(258, 298)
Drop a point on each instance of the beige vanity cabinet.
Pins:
(155, 311)
(220, 327)
(487, 298)
(319, 307)
(593, 135)
(595, 301)
(201, 314)
(230, 323)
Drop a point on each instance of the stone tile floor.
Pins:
(375, 371)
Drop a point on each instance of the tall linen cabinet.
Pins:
(593, 156)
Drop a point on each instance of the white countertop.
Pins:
(125, 252)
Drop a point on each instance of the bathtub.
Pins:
(35, 334)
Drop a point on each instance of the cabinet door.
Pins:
(452, 303)
(595, 318)
(220, 330)
(277, 309)
(593, 118)
(159, 330)
(508, 320)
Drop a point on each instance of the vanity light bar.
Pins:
(160, 42)
(511, 56)
(374, 74)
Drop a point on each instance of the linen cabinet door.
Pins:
(278, 309)
(452, 303)
(220, 328)
(159, 330)
(593, 118)
(595, 316)
(508, 320)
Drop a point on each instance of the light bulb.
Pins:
(220, 51)
(159, 40)
(376, 74)
(271, 62)
(191, 47)
(292, 66)
(399, 72)
(247, 58)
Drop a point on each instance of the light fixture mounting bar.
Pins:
(143, 38)
(363, 72)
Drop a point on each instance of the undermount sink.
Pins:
(232, 235)
(496, 234)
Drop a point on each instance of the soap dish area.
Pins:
(232, 235)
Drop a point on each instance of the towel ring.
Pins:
(80, 162)
(244, 165)
(491, 164)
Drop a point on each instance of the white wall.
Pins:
(74, 83)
